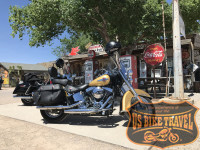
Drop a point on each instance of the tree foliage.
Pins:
(103, 20)
(74, 41)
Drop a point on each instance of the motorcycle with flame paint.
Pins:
(57, 100)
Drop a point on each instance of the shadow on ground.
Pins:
(100, 121)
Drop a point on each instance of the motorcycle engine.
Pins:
(98, 93)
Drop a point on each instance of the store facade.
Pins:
(144, 73)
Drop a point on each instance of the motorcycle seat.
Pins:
(60, 81)
(74, 89)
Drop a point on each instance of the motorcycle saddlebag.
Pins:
(48, 95)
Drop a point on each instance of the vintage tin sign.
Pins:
(154, 54)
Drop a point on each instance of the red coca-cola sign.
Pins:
(154, 54)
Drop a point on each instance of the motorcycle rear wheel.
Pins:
(53, 116)
(27, 102)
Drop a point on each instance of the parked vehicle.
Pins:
(25, 88)
(32, 82)
(57, 100)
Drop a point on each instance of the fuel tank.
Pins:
(100, 81)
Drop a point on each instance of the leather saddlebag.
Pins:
(48, 95)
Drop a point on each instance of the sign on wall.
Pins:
(5, 77)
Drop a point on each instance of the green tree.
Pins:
(103, 20)
(74, 41)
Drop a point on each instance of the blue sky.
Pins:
(169, 1)
(16, 50)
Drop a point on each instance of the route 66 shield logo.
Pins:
(162, 124)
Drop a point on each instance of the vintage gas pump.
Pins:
(91, 66)
(130, 62)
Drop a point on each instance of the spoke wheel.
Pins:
(53, 116)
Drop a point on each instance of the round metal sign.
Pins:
(154, 54)
(91, 54)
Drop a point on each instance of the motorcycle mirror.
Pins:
(59, 63)
(52, 72)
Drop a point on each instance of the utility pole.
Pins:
(165, 43)
(178, 70)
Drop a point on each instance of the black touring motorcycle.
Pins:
(31, 83)
(57, 100)
(25, 88)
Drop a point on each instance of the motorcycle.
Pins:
(96, 98)
(31, 83)
(25, 88)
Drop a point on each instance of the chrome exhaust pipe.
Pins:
(59, 107)
(23, 97)
(84, 111)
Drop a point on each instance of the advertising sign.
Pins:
(96, 48)
(88, 45)
(5, 77)
(91, 54)
(74, 51)
(163, 124)
(154, 54)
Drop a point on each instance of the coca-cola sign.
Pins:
(154, 54)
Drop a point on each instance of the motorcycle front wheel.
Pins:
(53, 116)
(143, 106)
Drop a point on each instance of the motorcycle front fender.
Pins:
(126, 100)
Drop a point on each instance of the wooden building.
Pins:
(190, 58)
(13, 72)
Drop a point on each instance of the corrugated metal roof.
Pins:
(34, 67)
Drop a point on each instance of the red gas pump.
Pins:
(130, 63)
(91, 66)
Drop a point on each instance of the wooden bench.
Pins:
(146, 86)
